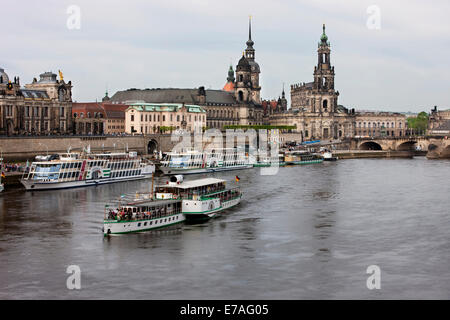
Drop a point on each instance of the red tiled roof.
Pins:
(229, 86)
(109, 110)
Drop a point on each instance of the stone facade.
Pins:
(98, 118)
(149, 118)
(439, 123)
(43, 107)
(376, 124)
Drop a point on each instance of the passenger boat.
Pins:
(201, 198)
(142, 216)
(328, 156)
(72, 170)
(192, 162)
(270, 161)
(301, 157)
(170, 204)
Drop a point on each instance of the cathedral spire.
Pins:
(230, 77)
(324, 37)
(250, 42)
(250, 52)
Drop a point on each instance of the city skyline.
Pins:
(396, 68)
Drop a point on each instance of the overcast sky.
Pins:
(403, 66)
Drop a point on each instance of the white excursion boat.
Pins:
(170, 204)
(201, 198)
(142, 216)
(72, 170)
(191, 162)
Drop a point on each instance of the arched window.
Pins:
(325, 104)
(241, 96)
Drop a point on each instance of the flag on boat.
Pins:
(3, 175)
(237, 179)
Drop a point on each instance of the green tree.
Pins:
(420, 123)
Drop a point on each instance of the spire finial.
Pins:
(324, 37)
(250, 27)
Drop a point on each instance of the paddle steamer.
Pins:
(72, 170)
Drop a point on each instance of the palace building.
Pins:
(147, 118)
(97, 118)
(40, 108)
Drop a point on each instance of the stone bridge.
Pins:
(436, 146)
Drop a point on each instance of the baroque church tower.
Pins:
(247, 88)
(324, 77)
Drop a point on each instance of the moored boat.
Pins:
(301, 157)
(270, 161)
(194, 162)
(72, 170)
(328, 156)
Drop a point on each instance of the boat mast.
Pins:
(153, 177)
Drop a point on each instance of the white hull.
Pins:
(207, 208)
(122, 227)
(42, 185)
(168, 170)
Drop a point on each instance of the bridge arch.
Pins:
(407, 146)
(370, 145)
(152, 146)
(432, 147)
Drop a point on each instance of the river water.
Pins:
(308, 232)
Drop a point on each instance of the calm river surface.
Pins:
(309, 232)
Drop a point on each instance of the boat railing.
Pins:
(119, 216)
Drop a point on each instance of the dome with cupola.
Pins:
(3, 76)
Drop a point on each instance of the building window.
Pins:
(132, 117)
